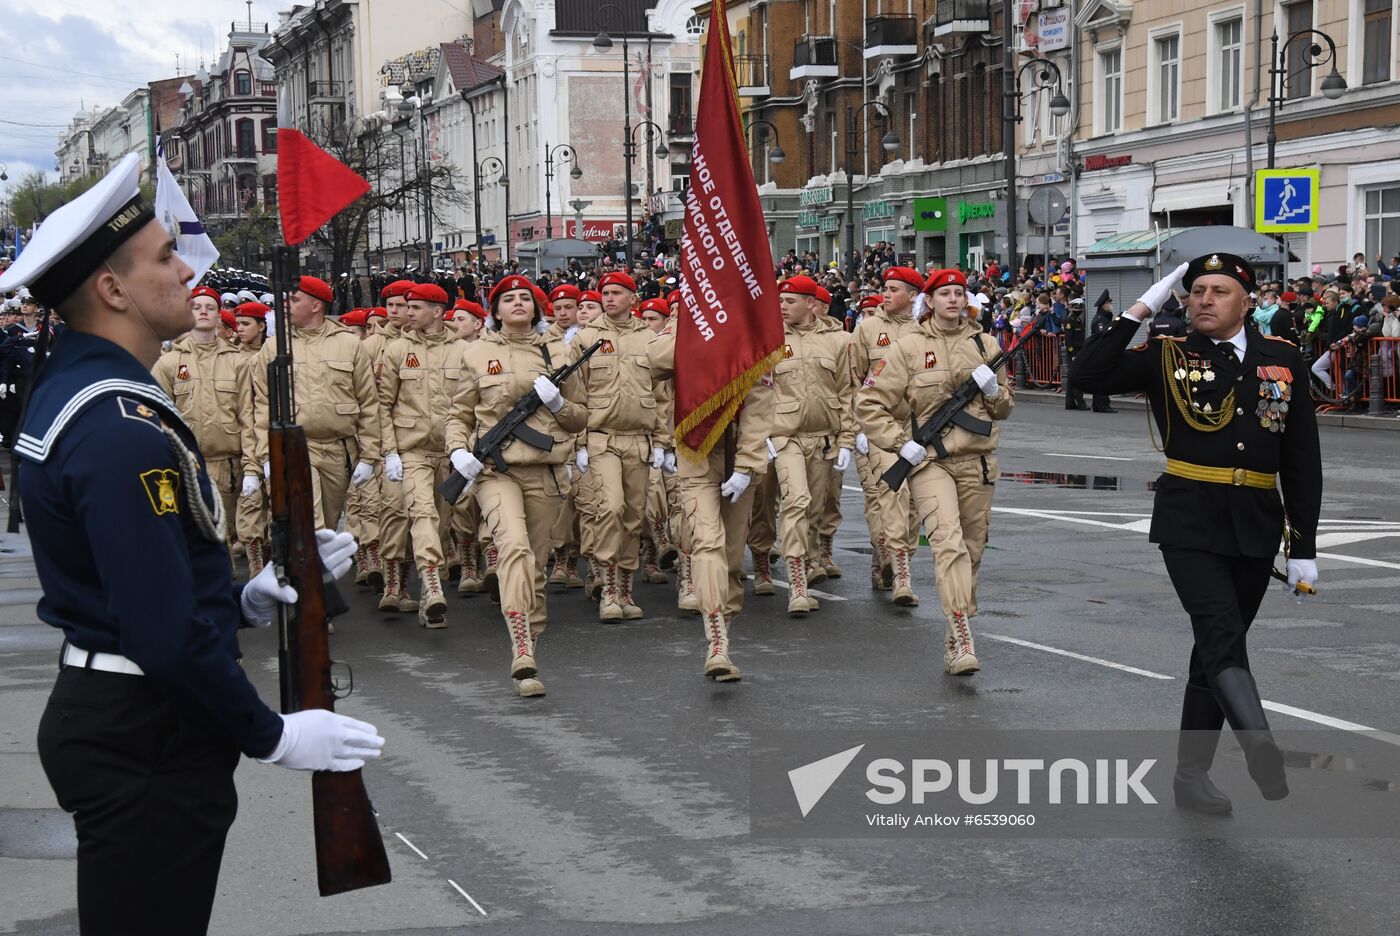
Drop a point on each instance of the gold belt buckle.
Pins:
(1237, 477)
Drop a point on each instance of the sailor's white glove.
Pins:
(337, 552)
(317, 739)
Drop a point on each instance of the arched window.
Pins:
(243, 82)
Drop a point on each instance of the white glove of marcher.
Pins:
(569, 471)
(772, 450)
(1301, 570)
(363, 472)
(251, 485)
(986, 381)
(261, 596)
(581, 459)
(267, 470)
(913, 452)
(337, 551)
(549, 394)
(316, 739)
(1157, 295)
(393, 467)
(862, 443)
(658, 456)
(466, 464)
(669, 465)
(843, 459)
(735, 487)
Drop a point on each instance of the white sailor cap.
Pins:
(229, 298)
(77, 238)
(267, 299)
(247, 295)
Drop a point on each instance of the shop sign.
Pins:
(930, 214)
(1095, 163)
(878, 209)
(968, 211)
(815, 196)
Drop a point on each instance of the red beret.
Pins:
(316, 288)
(227, 318)
(800, 285)
(565, 291)
(940, 278)
(656, 305)
(206, 291)
(509, 283)
(427, 292)
(674, 297)
(823, 295)
(471, 308)
(396, 288)
(591, 295)
(252, 310)
(357, 317)
(617, 279)
(870, 302)
(379, 311)
(905, 275)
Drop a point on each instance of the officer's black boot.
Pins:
(1201, 719)
(1238, 696)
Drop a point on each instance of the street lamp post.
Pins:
(1333, 86)
(762, 129)
(479, 173)
(603, 42)
(1045, 75)
(566, 152)
(889, 143)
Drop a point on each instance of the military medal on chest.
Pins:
(1275, 396)
(1191, 379)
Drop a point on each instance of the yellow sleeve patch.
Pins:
(162, 486)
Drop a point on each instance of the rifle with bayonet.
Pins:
(349, 848)
(953, 412)
(513, 426)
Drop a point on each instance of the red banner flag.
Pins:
(312, 185)
(730, 329)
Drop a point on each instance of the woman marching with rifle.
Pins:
(518, 504)
(952, 494)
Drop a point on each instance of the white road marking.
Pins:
(847, 487)
(468, 896)
(1095, 457)
(810, 590)
(1378, 563)
(412, 846)
(1136, 526)
(1079, 656)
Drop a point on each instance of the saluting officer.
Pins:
(952, 495)
(1237, 424)
(151, 709)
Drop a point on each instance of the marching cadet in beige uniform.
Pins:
(622, 421)
(393, 507)
(823, 565)
(889, 515)
(812, 425)
(658, 546)
(251, 514)
(362, 504)
(335, 401)
(467, 318)
(716, 508)
(208, 380)
(518, 505)
(953, 495)
(422, 371)
(590, 308)
(565, 300)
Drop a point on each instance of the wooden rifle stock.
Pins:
(349, 848)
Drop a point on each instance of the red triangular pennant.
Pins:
(312, 185)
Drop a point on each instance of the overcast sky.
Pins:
(62, 56)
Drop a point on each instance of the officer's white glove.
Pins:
(843, 459)
(986, 381)
(251, 485)
(669, 465)
(735, 487)
(363, 472)
(1301, 570)
(1160, 291)
(466, 464)
(267, 470)
(337, 552)
(862, 443)
(581, 459)
(393, 467)
(913, 452)
(772, 451)
(316, 739)
(658, 456)
(549, 394)
(261, 595)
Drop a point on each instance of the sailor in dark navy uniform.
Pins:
(1238, 428)
(151, 708)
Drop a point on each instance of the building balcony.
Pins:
(814, 57)
(962, 16)
(891, 35)
(325, 92)
(751, 75)
(681, 127)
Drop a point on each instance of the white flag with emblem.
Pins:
(192, 242)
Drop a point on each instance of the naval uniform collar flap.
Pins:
(82, 370)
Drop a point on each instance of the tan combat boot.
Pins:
(522, 663)
(556, 573)
(903, 580)
(827, 560)
(799, 602)
(886, 565)
(666, 550)
(571, 579)
(376, 566)
(594, 585)
(489, 579)
(631, 611)
(257, 556)
(816, 572)
(452, 556)
(470, 582)
(406, 601)
(610, 604)
(433, 611)
(762, 574)
(960, 657)
(686, 599)
(718, 666)
(361, 564)
(393, 588)
(651, 572)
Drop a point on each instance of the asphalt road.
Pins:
(620, 802)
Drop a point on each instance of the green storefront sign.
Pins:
(823, 223)
(815, 196)
(930, 214)
(968, 211)
(878, 209)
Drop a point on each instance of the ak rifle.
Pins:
(349, 848)
(953, 412)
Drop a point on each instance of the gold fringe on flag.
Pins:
(730, 398)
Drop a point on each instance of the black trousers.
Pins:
(152, 799)
(1222, 595)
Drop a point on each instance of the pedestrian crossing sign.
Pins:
(1285, 200)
